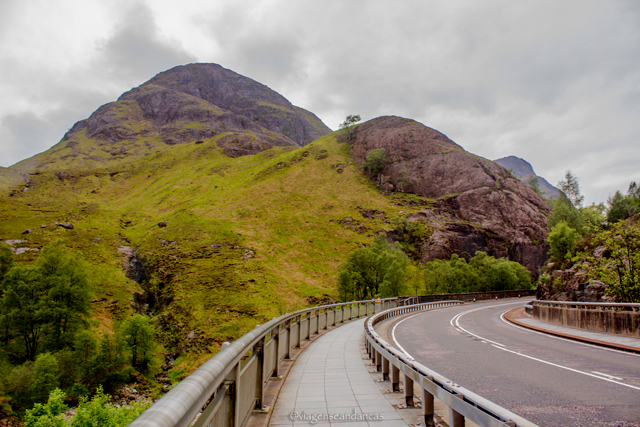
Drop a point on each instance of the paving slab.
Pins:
(329, 385)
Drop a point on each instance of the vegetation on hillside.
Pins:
(597, 241)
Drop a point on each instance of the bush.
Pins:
(562, 240)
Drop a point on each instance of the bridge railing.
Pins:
(613, 318)
(463, 404)
(230, 387)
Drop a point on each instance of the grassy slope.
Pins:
(282, 204)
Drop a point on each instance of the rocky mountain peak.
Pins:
(185, 104)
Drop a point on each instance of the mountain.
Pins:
(210, 201)
(182, 105)
(476, 204)
(524, 172)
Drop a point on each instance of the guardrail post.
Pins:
(427, 408)
(385, 369)
(395, 378)
(259, 349)
(378, 361)
(408, 390)
(276, 338)
(456, 419)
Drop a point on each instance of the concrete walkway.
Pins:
(330, 385)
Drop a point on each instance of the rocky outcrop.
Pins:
(478, 204)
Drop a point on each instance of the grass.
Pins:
(281, 207)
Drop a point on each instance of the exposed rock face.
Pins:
(185, 104)
(524, 172)
(478, 206)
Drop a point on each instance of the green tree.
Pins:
(23, 306)
(108, 367)
(348, 126)
(375, 162)
(366, 269)
(620, 270)
(50, 414)
(49, 300)
(535, 186)
(138, 334)
(562, 240)
(45, 377)
(571, 188)
(594, 217)
(6, 261)
(564, 211)
(68, 297)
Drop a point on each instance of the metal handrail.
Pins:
(462, 403)
(228, 388)
(589, 305)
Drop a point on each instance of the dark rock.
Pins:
(321, 300)
(66, 225)
(479, 205)
(27, 231)
(163, 224)
(238, 144)
(133, 265)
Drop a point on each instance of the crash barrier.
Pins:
(466, 297)
(463, 404)
(612, 318)
(230, 387)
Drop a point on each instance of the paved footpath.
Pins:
(330, 379)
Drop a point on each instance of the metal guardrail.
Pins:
(462, 403)
(589, 305)
(230, 387)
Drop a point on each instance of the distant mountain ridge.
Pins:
(524, 172)
(184, 104)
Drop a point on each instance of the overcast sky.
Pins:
(554, 82)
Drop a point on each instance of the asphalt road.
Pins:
(549, 381)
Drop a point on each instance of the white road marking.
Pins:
(607, 375)
(393, 336)
(566, 339)
(568, 369)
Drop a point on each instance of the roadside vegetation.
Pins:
(601, 241)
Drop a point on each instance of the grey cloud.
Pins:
(135, 52)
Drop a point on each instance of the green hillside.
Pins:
(246, 239)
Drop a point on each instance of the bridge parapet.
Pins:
(613, 318)
(463, 404)
(230, 387)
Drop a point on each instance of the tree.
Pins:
(45, 377)
(564, 211)
(562, 240)
(23, 306)
(49, 300)
(350, 121)
(6, 261)
(367, 269)
(50, 414)
(620, 269)
(348, 127)
(535, 186)
(138, 334)
(68, 297)
(571, 188)
(375, 161)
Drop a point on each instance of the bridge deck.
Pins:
(330, 379)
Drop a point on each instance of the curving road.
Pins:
(550, 381)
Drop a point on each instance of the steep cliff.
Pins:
(476, 204)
